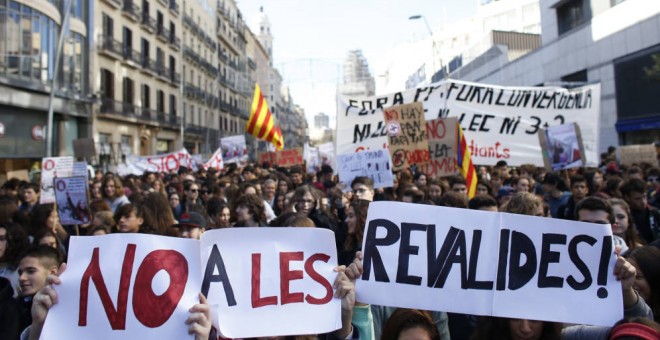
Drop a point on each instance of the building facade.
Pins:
(29, 36)
(358, 81)
(614, 43)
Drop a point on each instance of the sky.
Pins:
(313, 37)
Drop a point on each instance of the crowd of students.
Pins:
(33, 243)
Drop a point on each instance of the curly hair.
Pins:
(255, 206)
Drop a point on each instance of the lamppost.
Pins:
(435, 45)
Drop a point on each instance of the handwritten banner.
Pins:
(406, 131)
(170, 162)
(485, 263)
(285, 158)
(234, 149)
(443, 143)
(375, 164)
(215, 161)
(500, 123)
(52, 167)
(71, 197)
(141, 286)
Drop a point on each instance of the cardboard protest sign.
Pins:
(72, 202)
(285, 158)
(52, 167)
(638, 154)
(406, 131)
(279, 277)
(500, 123)
(486, 263)
(126, 285)
(562, 147)
(170, 162)
(234, 149)
(375, 164)
(141, 286)
(215, 161)
(443, 146)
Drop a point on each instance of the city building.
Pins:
(446, 47)
(358, 81)
(614, 43)
(29, 36)
(321, 121)
(136, 78)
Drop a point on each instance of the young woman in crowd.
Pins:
(219, 213)
(647, 282)
(625, 225)
(13, 241)
(356, 218)
(158, 215)
(113, 192)
(45, 216)
(410, 324)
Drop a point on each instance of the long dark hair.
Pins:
(493, 328)
(17, 242)
(360, 207)
(403, 319)
(647, 259)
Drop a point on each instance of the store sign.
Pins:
(38, 132)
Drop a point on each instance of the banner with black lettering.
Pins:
(261, 281)
(170, 162)
(500, 123)
(486, 263)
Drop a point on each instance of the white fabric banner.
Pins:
(500, 123)
(138, 165)
(215, 161)
(486, 263)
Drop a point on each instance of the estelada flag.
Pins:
(262, 123)
(464, 164)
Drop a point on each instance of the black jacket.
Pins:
(10, 313)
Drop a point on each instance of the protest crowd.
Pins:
(186, 203)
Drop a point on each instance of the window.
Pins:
(128, 91)
(126, 144)
(572, 14)
(107, 84)
(160, 56)
(146, 97)
(160, 101)
(173, 105)
(145, 50)
(108, 26)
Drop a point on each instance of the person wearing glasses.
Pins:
(597, 210)
(363, 188)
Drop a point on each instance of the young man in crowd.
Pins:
(458, 185)
(296, 174)
(597, 210)
(579, 190)
(483, 202)
(30, 195)
(555, 194)
(34, 267)
(647, 218)
(191, 225)
(363, 188)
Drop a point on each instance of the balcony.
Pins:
(149, 65)
(132, 57)
(194, 129)
(114, 3)
(164, 2)
(131, 10)
(110, 47)
(110, 106)
(163, 33)
(169, 120)
(252, 64)
(175, 42)
(221, 7)
(148, 114)
(162, 72)
(191, 55)
(148, 23)
(174, 7)
(175, 78)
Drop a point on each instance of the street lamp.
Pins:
(435, 46)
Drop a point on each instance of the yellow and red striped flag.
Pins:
(464, 163)
(262, 123)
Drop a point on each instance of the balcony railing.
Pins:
(175, 42)
(174, 7)
(175, 77)
(169, 119)
(131, 10)
(163, 33)
(148, 114)
(149, 65)
(148, 23)
(132, 56)
(109, 45)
